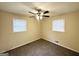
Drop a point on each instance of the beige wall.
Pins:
(36, 30)
(68, 39)
(9, 39)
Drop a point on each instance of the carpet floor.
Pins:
(41, 47)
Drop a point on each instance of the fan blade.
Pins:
(46, 12)
(37, 9)
(31, 12)
(46, 16)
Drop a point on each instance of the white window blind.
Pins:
(19, 25)
(58, 25)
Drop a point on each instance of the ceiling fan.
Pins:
(39, 14)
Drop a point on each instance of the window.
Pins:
(58, 25)
(19, 25)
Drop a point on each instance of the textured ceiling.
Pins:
(55, 8)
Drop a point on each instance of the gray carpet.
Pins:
(41, 48)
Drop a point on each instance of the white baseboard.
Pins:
(62, 45)
(20, 45)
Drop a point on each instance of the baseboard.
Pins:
(62, 45)
(19, 45)
(47, 40)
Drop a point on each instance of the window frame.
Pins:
(63, 20)
(20, 19)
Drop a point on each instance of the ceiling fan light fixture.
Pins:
(37, 17)
(41, 17)
(40, 14)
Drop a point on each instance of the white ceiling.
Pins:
(55, 8)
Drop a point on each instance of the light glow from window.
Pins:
(19, 25)
(58, 25)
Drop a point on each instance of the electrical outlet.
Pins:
(57, 41)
